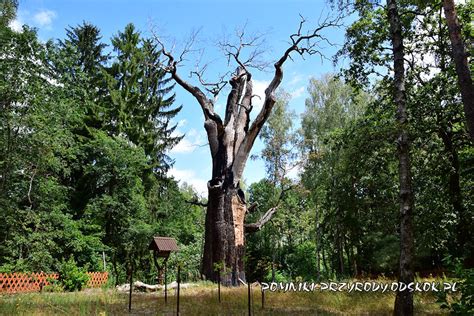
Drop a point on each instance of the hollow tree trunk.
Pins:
(224, 231)
(226, 209)
(230, 142)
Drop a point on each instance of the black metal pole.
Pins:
(263, 299)
(131, 288)
(250, 304)
(166, 286)
(219, 284)
(179, 281)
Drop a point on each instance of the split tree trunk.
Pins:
(226, 210)
(404, 299)
(230, 141)
(460, 60)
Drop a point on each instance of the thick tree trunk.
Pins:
(230, 142)
(224, 231)
(226, 210)
(462, 66)
(404, 299)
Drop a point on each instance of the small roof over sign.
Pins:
(163, 244)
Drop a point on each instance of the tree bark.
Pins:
(454, 189)
(404, 299)
(230, 141)
(460, 55)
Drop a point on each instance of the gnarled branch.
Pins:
(301, 44)
(255, 227)
(206, 104)
(233, 51)
(195, 201)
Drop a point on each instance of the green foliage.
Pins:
(8, 10)
(54, 286)
(71, 277)
(71, 184)
(84, 138)
(462, 302)
(302, 261)
(276, 276)
(139, 107)
(279, 140)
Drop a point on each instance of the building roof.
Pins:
(163, 244)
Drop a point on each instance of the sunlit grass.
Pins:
(202, 300)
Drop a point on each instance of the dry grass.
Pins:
(202, 300)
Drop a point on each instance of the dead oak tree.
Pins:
(231, 138)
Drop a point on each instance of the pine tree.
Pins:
(140, 108)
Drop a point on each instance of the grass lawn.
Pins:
(202, 300)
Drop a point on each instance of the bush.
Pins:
(279, 276)
(71, 277)
(462, 304)
(54, 287)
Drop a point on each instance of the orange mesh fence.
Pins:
(97, 279)
(34, 282)
(24, 282)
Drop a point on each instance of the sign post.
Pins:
(162, 248)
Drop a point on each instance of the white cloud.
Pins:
(182, 123)
(297, 92)
(16, 25)
(44, 18)
(294, 172)
(258, 89)
(192, 140)
(189, 176)
(219, 108)
(295, 80)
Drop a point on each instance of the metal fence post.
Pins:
(179, 281)
(131, 288)
(249, 302)
(166, 286)
(219, 284)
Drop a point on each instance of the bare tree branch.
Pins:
(255, 227)
(30, 187)
(195, 201)
(171, 67)
(252, 207)
(303, 44)
(213, 88)
(234, 51)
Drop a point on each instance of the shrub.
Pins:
(279, 276)
(53, 287)
(71, 277)
(462, 304)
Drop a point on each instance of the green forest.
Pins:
(383, 151)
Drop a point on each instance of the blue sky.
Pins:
(174, 21)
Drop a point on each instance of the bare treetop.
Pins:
(231, 138)
(247, 52)
(233, 50)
